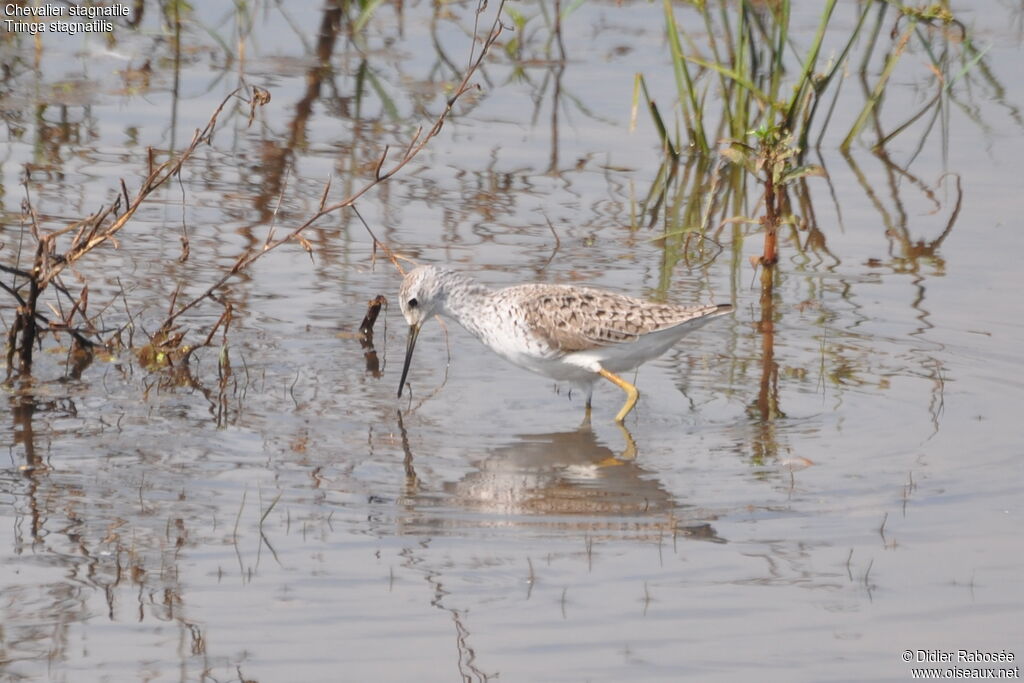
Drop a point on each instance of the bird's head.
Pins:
(418, 298)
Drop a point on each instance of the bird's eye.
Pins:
(413, 303)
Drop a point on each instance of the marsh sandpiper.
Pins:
(565, 332)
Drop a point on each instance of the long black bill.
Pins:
(414, 331)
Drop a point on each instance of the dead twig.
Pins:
(88, 234)
(372, 311)
(415, 146)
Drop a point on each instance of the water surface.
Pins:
(808, 515)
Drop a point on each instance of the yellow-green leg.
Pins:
(631, 393)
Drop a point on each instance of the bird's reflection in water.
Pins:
(566, 479)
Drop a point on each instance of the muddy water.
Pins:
(805, 515)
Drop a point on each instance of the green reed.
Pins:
(748, 91)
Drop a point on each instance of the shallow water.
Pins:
(810, 517)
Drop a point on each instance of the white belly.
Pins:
(512, 341)
(515, 344)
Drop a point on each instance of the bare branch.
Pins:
(415, 146)
(157, 176)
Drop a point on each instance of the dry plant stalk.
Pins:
(415, 146)
(372, 311)
(87, 234)
(103, 226)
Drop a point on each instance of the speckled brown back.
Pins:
(581, 318)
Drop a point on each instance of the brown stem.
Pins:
(27, 311)
(771, 225)
(767, 396)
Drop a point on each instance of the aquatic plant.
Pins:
(752, 95)
(56, 250)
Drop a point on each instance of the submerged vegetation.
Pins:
(57, 249)
(744, 129)
(746, 89)
(753, 105)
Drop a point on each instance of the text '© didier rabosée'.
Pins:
(959, 656)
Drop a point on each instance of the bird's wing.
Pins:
(580, 319)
